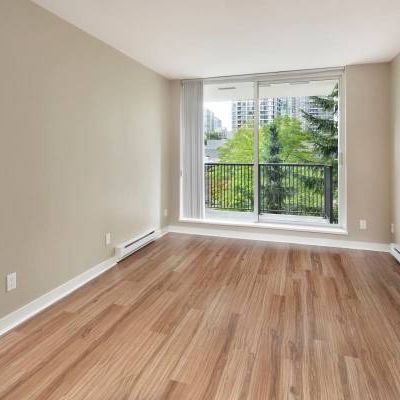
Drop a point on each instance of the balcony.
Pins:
(303, 192)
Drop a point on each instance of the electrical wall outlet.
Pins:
(392, 228)
(11, 281)
(108, 238)
(166, 212)
(363, 224)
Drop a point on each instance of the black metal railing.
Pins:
(229, 186)
(286, 189)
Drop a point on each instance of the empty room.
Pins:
(199, 200)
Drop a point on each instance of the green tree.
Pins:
(239, 148)
(274, 145)
(324, 131)
(282, 141)
(213, 135)
(273, 193)
(324, 137)
(295, 144)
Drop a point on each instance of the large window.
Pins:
(272, 146)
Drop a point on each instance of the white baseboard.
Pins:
(394, 251)
(10, 321)
(268, 237)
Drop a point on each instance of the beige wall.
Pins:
(395, 84)
(368, 147)
(368, 155)
(82, 131)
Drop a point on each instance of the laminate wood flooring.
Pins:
(196, 317)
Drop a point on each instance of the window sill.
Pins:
(333, 230)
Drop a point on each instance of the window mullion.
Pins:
(256, 188)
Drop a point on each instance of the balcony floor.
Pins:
(233, 216)
(248, 217)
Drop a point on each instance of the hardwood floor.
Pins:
(192, 317)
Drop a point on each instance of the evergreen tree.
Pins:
(274, 145)
(324, 136)
(273, 192)
(324, 131)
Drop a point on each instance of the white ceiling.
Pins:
(192, 38)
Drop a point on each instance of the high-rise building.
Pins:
(271, 107)
(211, 123)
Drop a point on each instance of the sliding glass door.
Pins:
(271, 150)
(298, 151)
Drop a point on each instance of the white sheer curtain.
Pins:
(192, 149)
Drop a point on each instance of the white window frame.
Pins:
(289, 223)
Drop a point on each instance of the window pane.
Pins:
(298, 151)
(229, 151)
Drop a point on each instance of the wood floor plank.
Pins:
(195, 317)
(33, 383)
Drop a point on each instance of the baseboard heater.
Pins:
(125, 249)
(395, 251)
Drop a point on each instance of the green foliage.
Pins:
(283, 190)
(232, 186)
(324, 131)
(239, 148)
(281, 141)
(273, 192)
(213, 135)
(274, 144)
(295, 144)
(324, 136)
